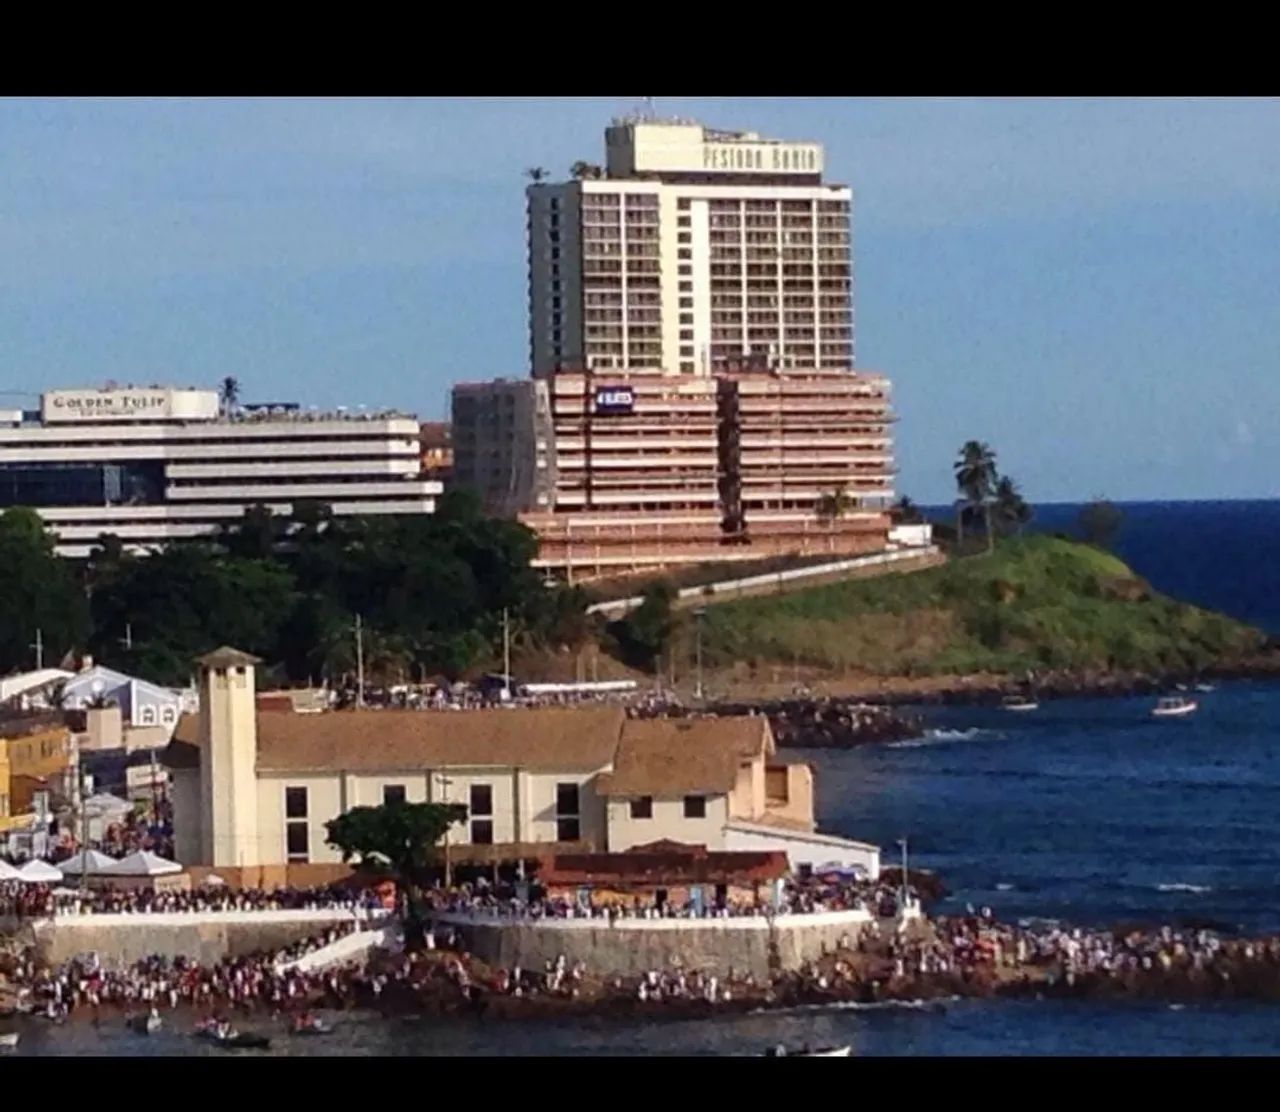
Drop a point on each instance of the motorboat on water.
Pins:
(1205, 687)
(309, 1025)
(146, 1024)
(806, 1052)
(1019, 703)
(221, 1033)
(9, 1040)
(1174, 706)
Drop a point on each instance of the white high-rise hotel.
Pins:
(701, 251)
(693, 396)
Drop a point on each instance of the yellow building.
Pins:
(253, 789)
(41, 756)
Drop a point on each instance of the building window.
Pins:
(567, 799)
(642, 808)
(568, 813)
(392, 793)
(295, 803)
(695, 807)
(482, 832)
(296, 833)
(684, 253)
(481, 799)
(682, 203)
(296, 839)
(686, 287)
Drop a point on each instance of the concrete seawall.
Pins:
(206, 937)
(633, 946)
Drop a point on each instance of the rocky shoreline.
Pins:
(843, 712)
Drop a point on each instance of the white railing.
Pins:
(617, 607)
(74, 916)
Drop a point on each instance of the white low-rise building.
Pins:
(253, 788)
(159, 464)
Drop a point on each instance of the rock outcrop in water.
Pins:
(818, 722)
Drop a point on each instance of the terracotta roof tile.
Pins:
(548, 739)
(669, 868)
(227, 657)
(180, 754)
(680, 756)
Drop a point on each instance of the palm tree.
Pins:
(581, 169)
(229, 393)
(834, 504)
(906, 511)
(1012, 510)
(535, 173)
(975, 473)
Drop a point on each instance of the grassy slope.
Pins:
(1035, 603)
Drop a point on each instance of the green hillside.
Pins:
(1034, 603)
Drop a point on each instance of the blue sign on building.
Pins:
(615, 399)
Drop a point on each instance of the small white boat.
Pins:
(146, 1024)
(9, 1041)
(1020, 703)
(1205, 687)
(821, 1052)
(1174, 706)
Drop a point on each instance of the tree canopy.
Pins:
(39, 595)
(1099, 523)
(401, 835)
(430, 591)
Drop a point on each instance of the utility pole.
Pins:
(359, 661)
(506, 655)
(903, 843)
(38, 645)
(84, 827)
(444, 787)
(127, 640)
(698, 615)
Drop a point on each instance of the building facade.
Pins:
(154, 465)
(691, 346)
(255, 788)
(695, 251)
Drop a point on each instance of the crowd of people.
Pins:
(33, 901)
(266, 979)
(797, 897)
(152, 831)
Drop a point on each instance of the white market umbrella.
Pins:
(8, 872)
(40, 872)
(88, 863)
(142, 863)
(104, 803)
(213, 880)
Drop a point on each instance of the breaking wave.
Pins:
(859, 1006)
(1198, 889)
(942, 737)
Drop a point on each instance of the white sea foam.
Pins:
(857, 1006)
(1194, 888)
(1004, 886)
(942, 737)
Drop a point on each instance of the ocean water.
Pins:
(1087, 811)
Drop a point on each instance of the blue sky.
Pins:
(1090, 285)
